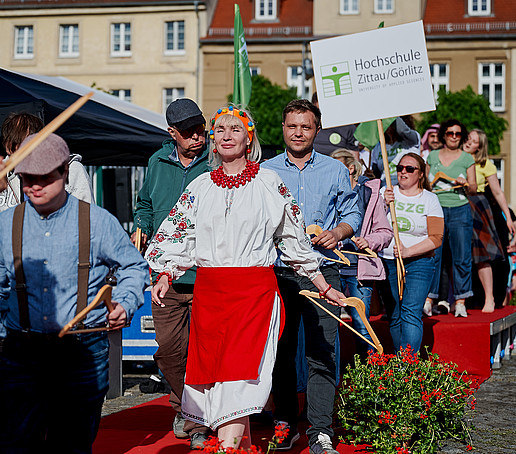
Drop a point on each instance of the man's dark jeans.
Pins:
(51, 392)
(320, 333)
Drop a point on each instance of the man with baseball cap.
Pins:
(180, 160)
(55, 252)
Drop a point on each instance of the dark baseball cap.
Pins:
(183, 114)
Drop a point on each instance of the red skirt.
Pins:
(231, 313)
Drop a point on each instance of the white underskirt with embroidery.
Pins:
(218, 403)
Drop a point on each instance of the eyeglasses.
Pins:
(453, 134)
(409, 169)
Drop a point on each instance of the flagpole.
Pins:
(242, 72)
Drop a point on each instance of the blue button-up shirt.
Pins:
(321, 188)
(50, 254)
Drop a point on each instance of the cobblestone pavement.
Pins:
(494, 418)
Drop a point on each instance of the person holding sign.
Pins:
(421, 225)
(452, 175)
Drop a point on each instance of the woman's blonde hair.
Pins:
(482, 152)
(214, 159)
(348, 158)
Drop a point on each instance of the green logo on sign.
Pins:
(336, 80)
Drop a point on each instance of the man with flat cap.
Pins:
(55, 253)
(180, 160)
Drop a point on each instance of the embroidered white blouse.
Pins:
(212, 226)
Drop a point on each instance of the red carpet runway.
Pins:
(147, 428)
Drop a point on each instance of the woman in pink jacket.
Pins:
(375, 232)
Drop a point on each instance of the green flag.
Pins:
(367, 132)
(242, 80)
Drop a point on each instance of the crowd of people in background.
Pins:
(224, 233)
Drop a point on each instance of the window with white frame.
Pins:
(266, 9)
(479, 7)
(69, 40)
(255, 70)
(349, 6)
(295, 79)
(121, 39)
(491, 84)
(440, 75)
(175, 37)
(24, 41)
(123, 94)
(384, 6)
(171, 94)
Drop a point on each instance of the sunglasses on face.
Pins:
(453, 134)
(409, 169)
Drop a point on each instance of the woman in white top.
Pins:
(228, 223)
(421, 226)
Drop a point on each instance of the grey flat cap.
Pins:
(47, 156)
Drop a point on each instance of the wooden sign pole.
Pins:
(400, 268)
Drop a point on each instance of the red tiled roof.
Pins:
(450, 17)
(295, 18)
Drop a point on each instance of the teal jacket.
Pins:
(164, 183)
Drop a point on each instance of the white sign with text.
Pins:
(372, 75)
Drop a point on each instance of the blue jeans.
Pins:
(458, 232)
(51, 392)
(405, 318)
(352, 288)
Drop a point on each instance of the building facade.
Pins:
(277, 34)
(473, 42)
(146, 52)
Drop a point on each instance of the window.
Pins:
(295, 79)
(171, 94)
(479, 7)
(384, 6)
(69, 40)
(491, 84)
(349, 7)
(24, 41)
(175, 37)
(121, 40)
(440, 75)
(255, 70)
(123, 94)
(266, 9)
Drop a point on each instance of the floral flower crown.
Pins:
(240, 114)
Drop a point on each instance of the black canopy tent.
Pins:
(106, 131)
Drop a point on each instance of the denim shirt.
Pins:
(321, 188)
(50, 253)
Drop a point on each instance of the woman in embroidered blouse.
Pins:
(228, 224)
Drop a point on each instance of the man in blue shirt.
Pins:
(51, 388)
(322, 188)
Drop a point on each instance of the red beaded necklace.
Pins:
(229, 181)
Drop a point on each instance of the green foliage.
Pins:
(471, 109)
(403, 404)
(266, 107)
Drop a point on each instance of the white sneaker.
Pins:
(460, 310)
(323, 445)
(427, 308)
